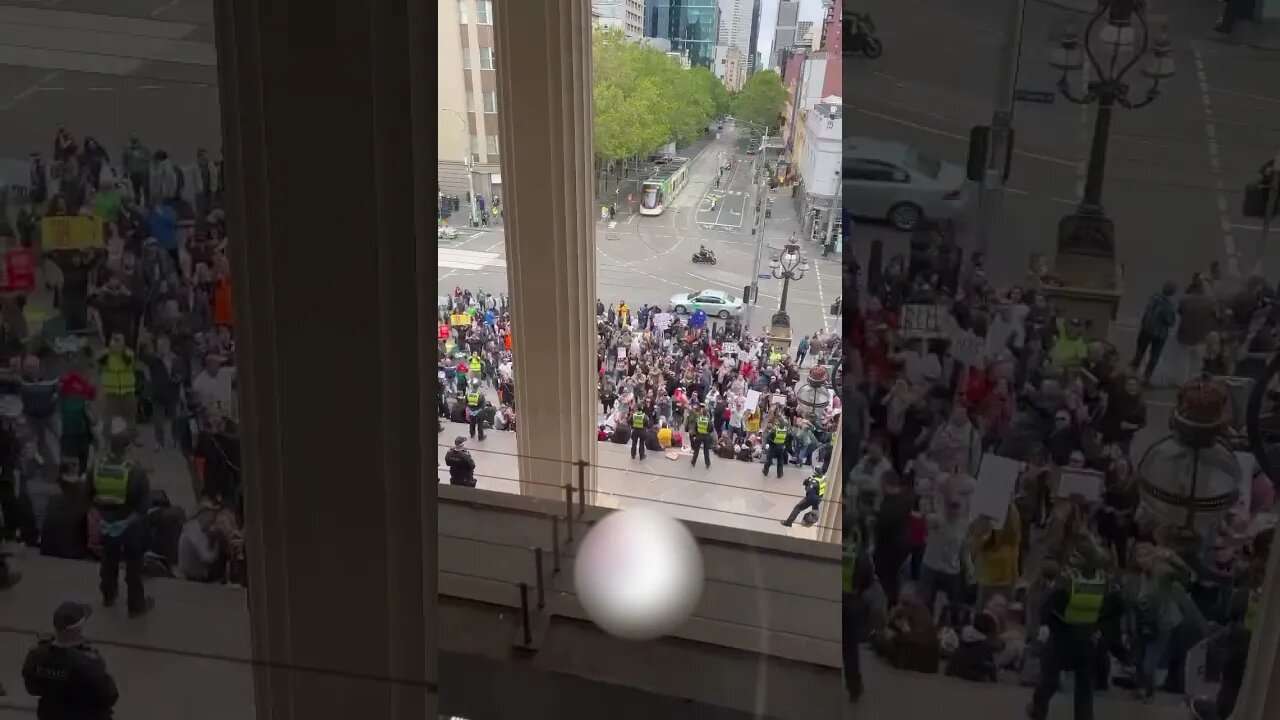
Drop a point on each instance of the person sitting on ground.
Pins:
(974, 659)
(65, 531)
(205, 545)
(909, 640)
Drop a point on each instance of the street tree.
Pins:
(761, 100)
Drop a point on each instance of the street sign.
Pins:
(1044, 97)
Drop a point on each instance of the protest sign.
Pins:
(18, 271)
(967, 347)
(662, 321)
(622, 353)
(753, 399)
(442, 301)
(460, 319)
(778, 400)
(70, 233)
(1076, 481)
(919, 320)
(997, 479)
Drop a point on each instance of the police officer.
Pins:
(815, 488)
(1082, 598)
(475, 408)
(67, 675)
(857, 576)
(475, 367)
(701, 438)
(639, 423)
(462, 468)
(778, 442)
(122, 493)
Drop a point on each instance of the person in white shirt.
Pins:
(215, 387)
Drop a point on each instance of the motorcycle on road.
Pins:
(864, 39)
(709, 258)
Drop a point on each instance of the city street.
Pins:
(1175, 169)
(647, 259)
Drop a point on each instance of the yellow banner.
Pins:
(70, 233)
(460, 319)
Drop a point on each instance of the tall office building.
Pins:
(739, 28)
(468, 130)
(785, 32)
(805, 33)
(691, 26)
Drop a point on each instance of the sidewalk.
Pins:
(731, 492)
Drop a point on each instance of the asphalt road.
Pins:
(643, 259)
(108, 69)
(1175, 169)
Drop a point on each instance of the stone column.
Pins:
(831, 516)
(321, 163)
(1260, 695)
(543, 50)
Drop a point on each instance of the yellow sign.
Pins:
(70, 233)
(460, 319)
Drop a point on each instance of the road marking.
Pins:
(1215, 165)
(467, 259)
(165, 7)
(31, 90)
(150, 87)
(100, 89)
(723, 284)
(1249, 96)
(822, 301)
(962, 138)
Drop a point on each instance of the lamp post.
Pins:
(472, 220)
(788, 265)
(1115, 39)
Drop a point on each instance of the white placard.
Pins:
(662, 321)
(753, 399)
(1085, 483)
(968, 348)
(778, 400)
(443, 301)
(997, 480)
(920, 320)
(622, 353)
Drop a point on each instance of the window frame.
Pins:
(492, 57)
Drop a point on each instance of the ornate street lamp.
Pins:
(1115, 39)
(786, 266)
(814, 393)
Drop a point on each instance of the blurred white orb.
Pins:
(638, 574)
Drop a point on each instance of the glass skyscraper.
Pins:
(689, 25)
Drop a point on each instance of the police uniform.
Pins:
(815, 488)
(776, 450)
(475, 411)
(1073, 611)
(121, 493)
(851, 615)
(70, 680)
(639, 421)
(475, 366)
(701, 439)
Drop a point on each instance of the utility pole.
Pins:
(762, 205)
(471, 187)
(1001, 127)
(831, 214)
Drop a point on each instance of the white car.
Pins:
(445, 231)
(893, 181)
(714, 303)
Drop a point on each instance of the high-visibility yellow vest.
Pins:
(822, 485)
(849, 553)
(704, 425)
(118, 374)
(473, 399)
(637, 419)
(1084, 604)
(111, 484)
(779, 436)
(775, 355)
(1253, 612)
(475, 363)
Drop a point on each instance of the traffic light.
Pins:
(980, 152)
(1257, 195)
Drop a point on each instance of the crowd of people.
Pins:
(666, 382)
(1075, 572)
(127, 339)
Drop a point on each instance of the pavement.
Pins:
(730, 492)
(1175, 169)
(647, 259)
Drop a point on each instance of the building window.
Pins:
(492, 144)
(471, 101)
(462, 11)
(491, 101)
(484, 12)
(486, 58)
(466, 58)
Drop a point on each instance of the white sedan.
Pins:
(447, 232)
(714, 303)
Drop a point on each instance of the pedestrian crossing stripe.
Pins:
(468, 259)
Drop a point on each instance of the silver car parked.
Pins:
(889, 180)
